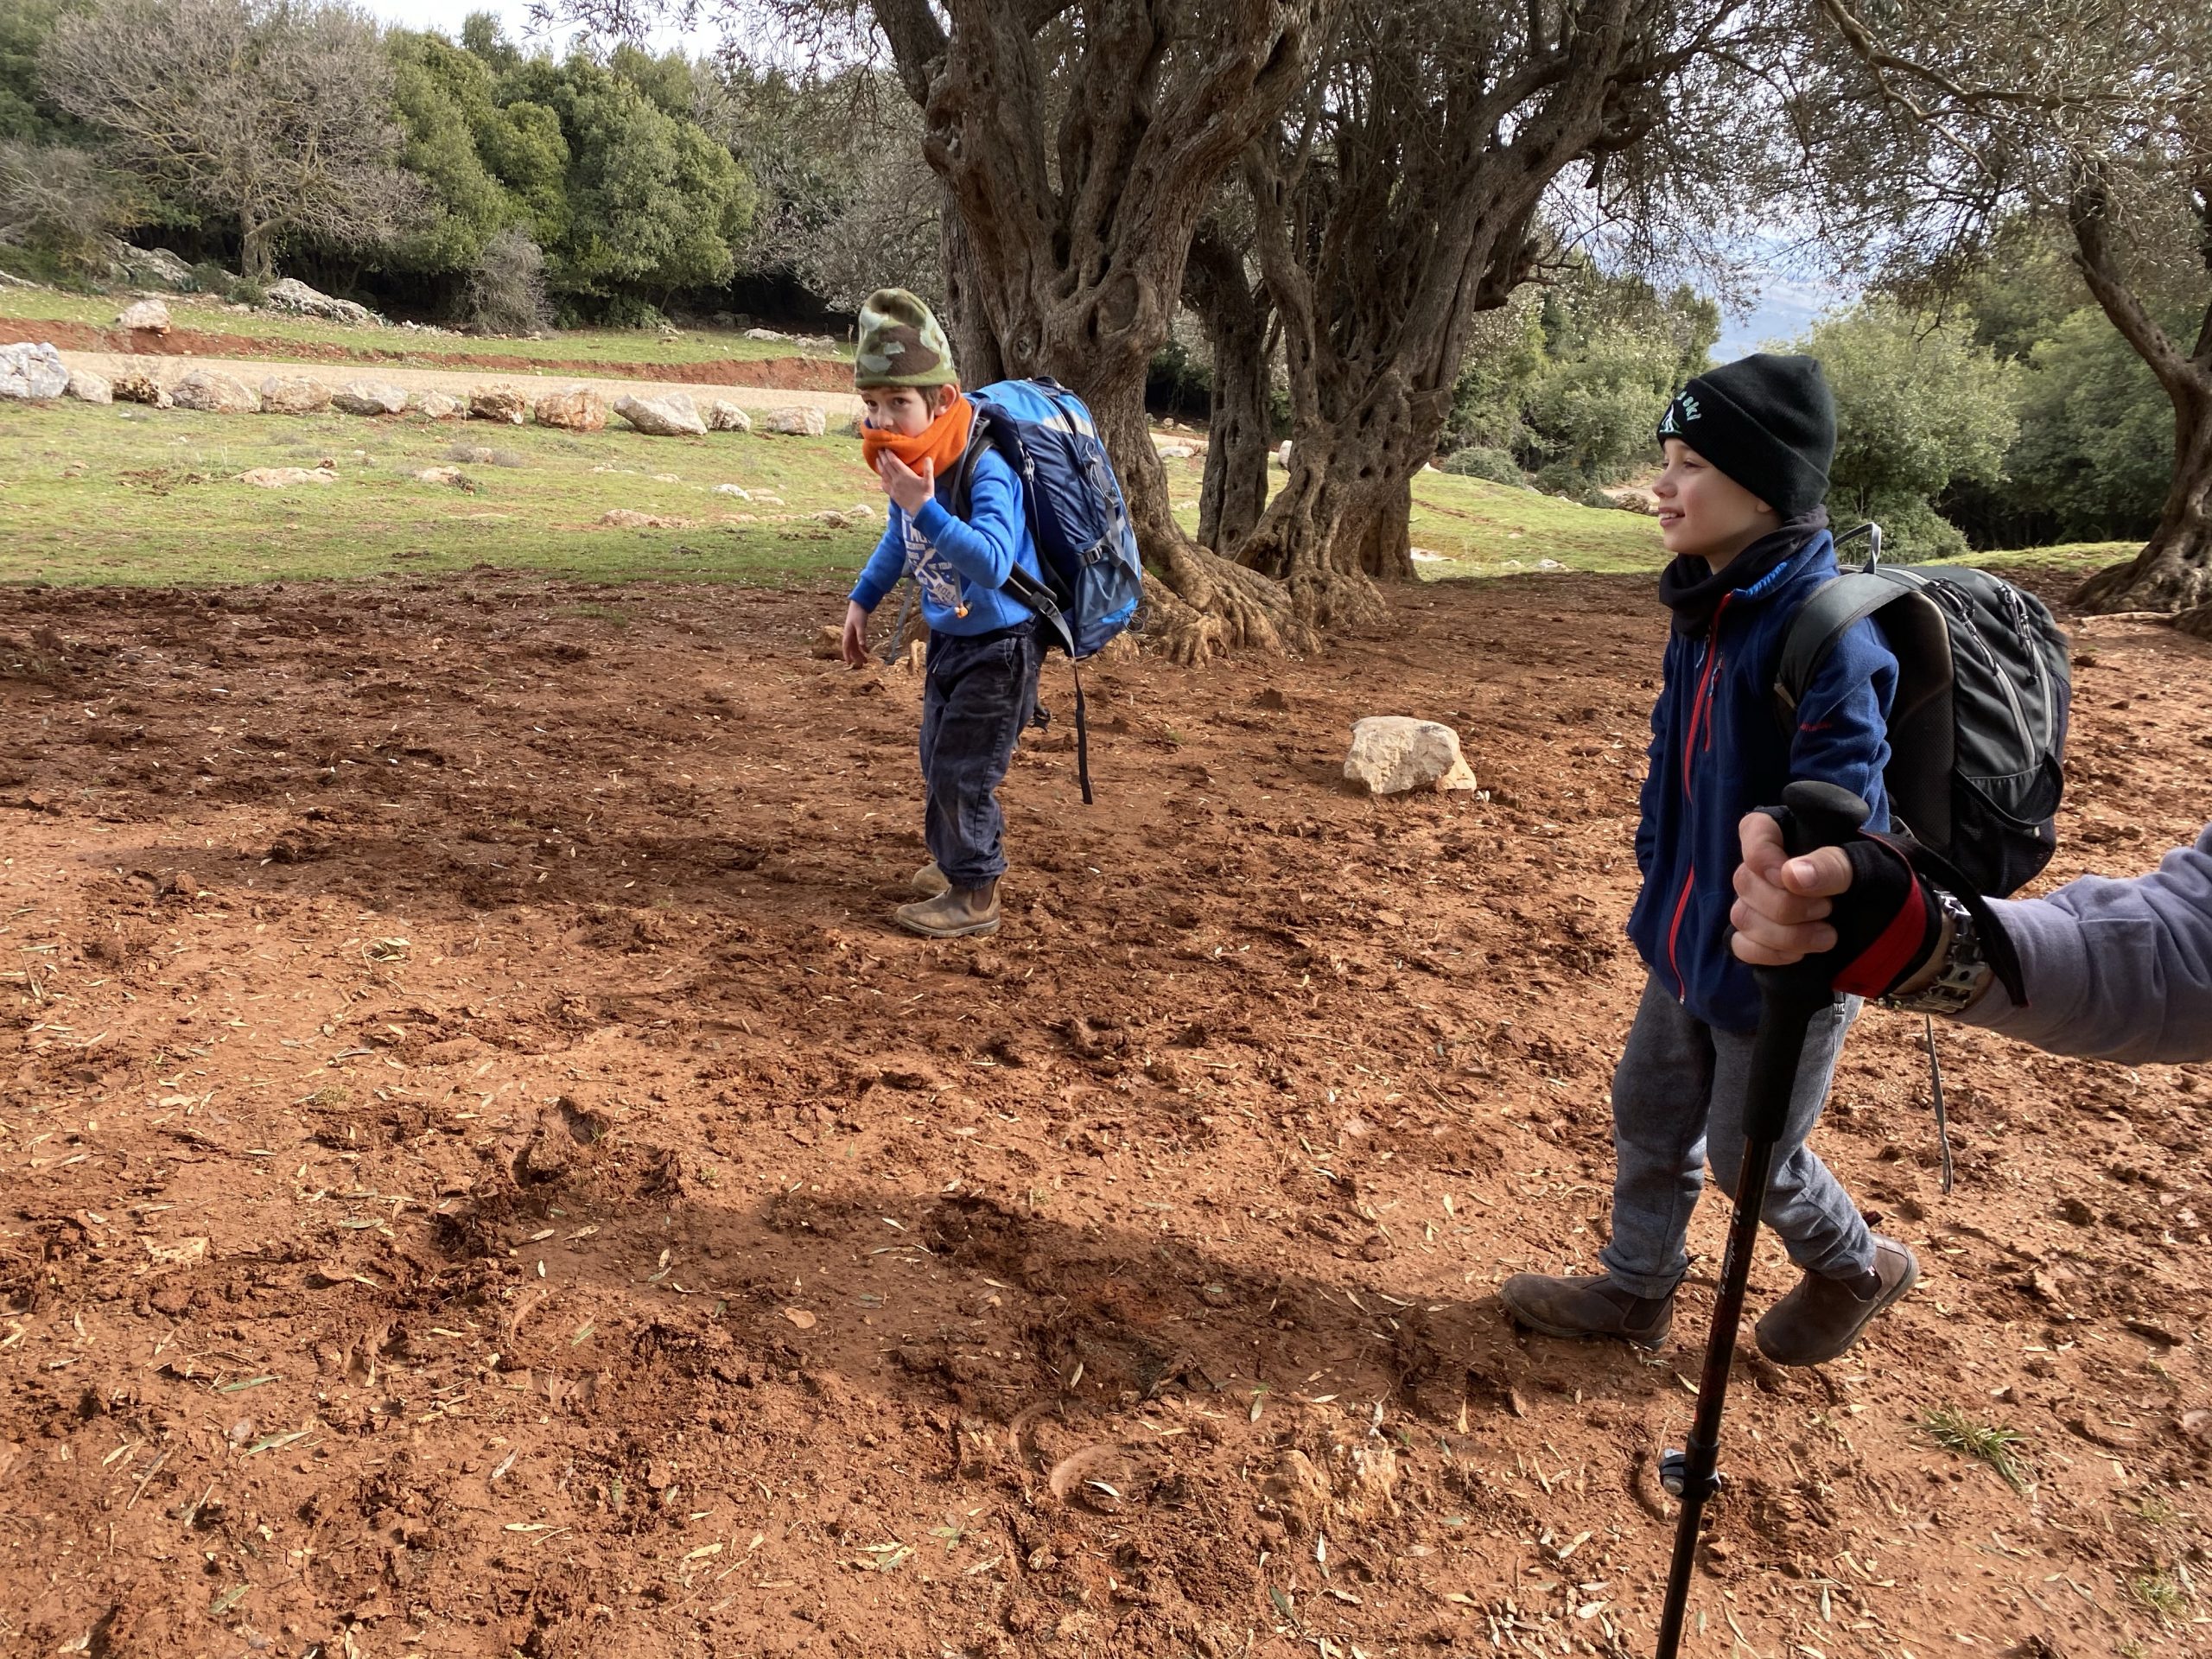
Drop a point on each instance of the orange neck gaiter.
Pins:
(943, 441)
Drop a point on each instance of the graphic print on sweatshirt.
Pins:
(933, 573)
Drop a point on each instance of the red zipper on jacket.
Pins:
(1700, 707)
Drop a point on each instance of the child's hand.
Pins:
(910, 489)
(855, 640)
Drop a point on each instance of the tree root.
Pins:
(1332, 601)
(2169, 585)
(2195, 622)
(1202, 605)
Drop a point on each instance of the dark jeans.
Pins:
(980, 693)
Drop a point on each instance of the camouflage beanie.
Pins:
(901, 344)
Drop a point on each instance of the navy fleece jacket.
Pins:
(958, 563)
(1719, 751)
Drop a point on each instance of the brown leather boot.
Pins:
(1822, 1318)
(929, 881)
(953, 914)
(1587, 1305)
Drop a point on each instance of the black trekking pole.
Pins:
(1814, 815)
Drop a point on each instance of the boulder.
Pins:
(32, 371)
(769, 334)
(293, 394)
(278, 478)
(369, 398)
(149, 315)
(448, 475)
(672, 416)
(577, 410)
(89, 388)
(434, 405)
(139, 386)
(148, 265)
(630, 518)
(798, 420)
(737, 490)
(1633, 501)
(498, 404)
(1174, 451)
(290, 294)
(1281, 456)
(724, 416)
(214, 393)
(1393, 753)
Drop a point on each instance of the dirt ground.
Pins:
(482, 1178)
(788, 373)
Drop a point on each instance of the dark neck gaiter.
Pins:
(1693, 589)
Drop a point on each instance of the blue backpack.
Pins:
(1093, 574)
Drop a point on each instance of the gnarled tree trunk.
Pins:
(1396, 207)
(1076, 256)
(2174, 570)
(1239, 431)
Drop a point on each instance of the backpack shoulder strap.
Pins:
(1832, 612)
(1037, 596)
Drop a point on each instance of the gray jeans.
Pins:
(1678, 1102)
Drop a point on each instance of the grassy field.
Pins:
(135, 496)
(128, 494)
(132, 495)
(210, 315)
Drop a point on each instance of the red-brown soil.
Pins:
(481, 1176)
(778, 373)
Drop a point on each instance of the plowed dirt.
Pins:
(481, 1176)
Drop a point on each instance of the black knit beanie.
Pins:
(1767, 421)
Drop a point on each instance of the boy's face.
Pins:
(906, 410)
(1703, 511)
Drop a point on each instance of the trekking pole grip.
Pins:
(1813, 816)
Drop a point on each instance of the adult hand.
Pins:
(910, 489)
(855, 643)
(1782, 903)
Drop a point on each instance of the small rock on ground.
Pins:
(369, 398)
(1393, 753)
(151, 315)
(214, 393)
(32, 371)
(798, 420)
(671, 415)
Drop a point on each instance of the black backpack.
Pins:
(1977, 732)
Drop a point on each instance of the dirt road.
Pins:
(481, 1178)
(837, 405)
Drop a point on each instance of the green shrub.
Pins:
(1912, 531)
(1562, 478)
(1477, 460)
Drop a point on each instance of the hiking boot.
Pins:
(1587, 1305)
(953, 914)
(929, 881)
(1822, 1318)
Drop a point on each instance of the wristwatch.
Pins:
(1960, 974)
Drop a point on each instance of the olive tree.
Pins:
(274, 116)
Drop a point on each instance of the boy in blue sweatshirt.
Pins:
(983, 653)
(1747, 452)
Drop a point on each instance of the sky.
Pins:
(1785, 305)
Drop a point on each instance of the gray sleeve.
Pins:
(2114, 970)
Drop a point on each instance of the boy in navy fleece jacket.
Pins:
(983, 653)
(1747, 452)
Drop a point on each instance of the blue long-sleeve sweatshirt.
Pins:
(958, 563)
(1717, 751)
(2114, 970)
